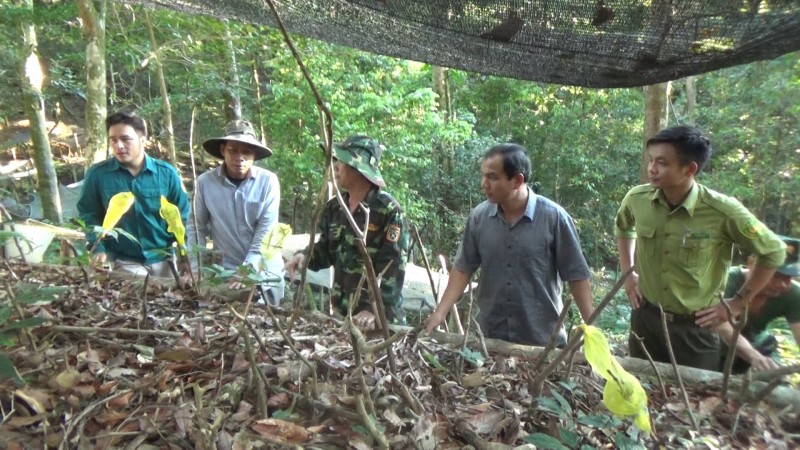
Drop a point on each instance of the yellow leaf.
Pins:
(623, 394)
(272, 243)
(172, 215)
(118, 205)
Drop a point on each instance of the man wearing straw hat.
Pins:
(236, 205)
(148, 178)
(356, 172)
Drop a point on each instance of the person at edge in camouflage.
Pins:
(356, 172)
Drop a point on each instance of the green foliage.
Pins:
(285, 414)
(545, 441)
(10, 325)
(754, 118)
(585, 143)
(6, 235)
(473, 357)
(215, 274)
(361, 429)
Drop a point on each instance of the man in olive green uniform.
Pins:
(356, 172)
(682, 235)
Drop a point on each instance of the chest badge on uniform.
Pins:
(393, 233)
(372, 227)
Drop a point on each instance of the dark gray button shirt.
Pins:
(522, 268)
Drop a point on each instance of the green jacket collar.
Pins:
(113, 164)
(688, 204)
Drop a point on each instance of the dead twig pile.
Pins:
(209, 372)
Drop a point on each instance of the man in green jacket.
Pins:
(132, 170)
(356, 172)
(679, 237)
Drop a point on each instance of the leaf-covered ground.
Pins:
(186, 371)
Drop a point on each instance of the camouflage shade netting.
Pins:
(595, 43)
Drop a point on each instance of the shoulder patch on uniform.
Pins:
(642, 189)
(393, 233)
(752, 228)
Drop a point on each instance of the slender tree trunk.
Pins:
(691, 100)
(32, 77)
(233, 102)
(93, 18)
(259, 109)
(655, 118)
(442, 89)
(162, 84)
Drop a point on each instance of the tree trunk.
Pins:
(655, 118)
(93, 18)
(259, 108)
(32, 77)
(162, 84)
(233, 102)
(691, 100)
(442, 89)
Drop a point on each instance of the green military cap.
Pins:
(791, 265)
(363, 154)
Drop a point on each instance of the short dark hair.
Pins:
(689, 143)
(515, 159)
(126, 118)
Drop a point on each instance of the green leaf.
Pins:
(28, 294)
(284, 414)
(5, 314)
(475, 358)
(599, 421)
(7, 340)
(6, 235)
(548, 404)
(7, 369)
(433, 360)
(569, 437)
(30, 322)
(360, 429)
(624, 442)
(545, 442)
(563, 402)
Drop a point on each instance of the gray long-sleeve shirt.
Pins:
(236, 218)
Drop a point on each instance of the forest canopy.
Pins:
(585, 143)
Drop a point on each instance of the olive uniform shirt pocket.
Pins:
(645, 240)
(695, 249)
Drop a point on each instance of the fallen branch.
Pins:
(464, 430)
(122, 331)
(368, 423)
(781, 397)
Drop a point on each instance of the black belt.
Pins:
(671, 317)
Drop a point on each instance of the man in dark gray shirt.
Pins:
(526, 246)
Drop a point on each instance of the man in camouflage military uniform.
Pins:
(356, 172)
